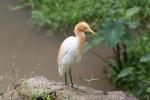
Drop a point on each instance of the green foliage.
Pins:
(125, 72)
(134, 76)
(132, 11)
(45, 95)
(129, 68)
(62, 15)
(148, 90)
(112, 32)
(145, 58)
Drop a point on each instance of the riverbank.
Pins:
(40, 88)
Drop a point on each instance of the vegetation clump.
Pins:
(132, 74)
(45, 95)
(60, 15)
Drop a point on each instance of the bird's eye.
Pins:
(85, 28)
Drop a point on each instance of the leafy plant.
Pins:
(138, 80)
(130, 65)
(45, 95)
(61, 16)
(129, 69)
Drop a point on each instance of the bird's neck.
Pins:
(81, 39)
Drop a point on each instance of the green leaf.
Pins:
(139, 89)
(148, 26)
(113, 32)
(148, 90)
(132, 11)
(125, 72)
(145, 58)
(133, 25)
(127, 39)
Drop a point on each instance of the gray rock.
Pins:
(39, 84)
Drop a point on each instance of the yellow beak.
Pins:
(90, 30)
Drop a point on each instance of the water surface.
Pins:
(24, 52)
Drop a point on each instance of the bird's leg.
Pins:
(71, 78)
(66, 79)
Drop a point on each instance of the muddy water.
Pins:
(24, 52)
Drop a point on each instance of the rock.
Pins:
(39, 84)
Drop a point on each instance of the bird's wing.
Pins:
(67, 50)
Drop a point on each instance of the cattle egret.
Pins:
(71, 50)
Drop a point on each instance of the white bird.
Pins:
(71, 50)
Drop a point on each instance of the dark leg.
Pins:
(71, 78)
(66, 79)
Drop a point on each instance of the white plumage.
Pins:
(69, 54)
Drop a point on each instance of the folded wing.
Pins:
(68, 54)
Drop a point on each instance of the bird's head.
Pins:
(82, 27)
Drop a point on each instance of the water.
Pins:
(24, 52)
